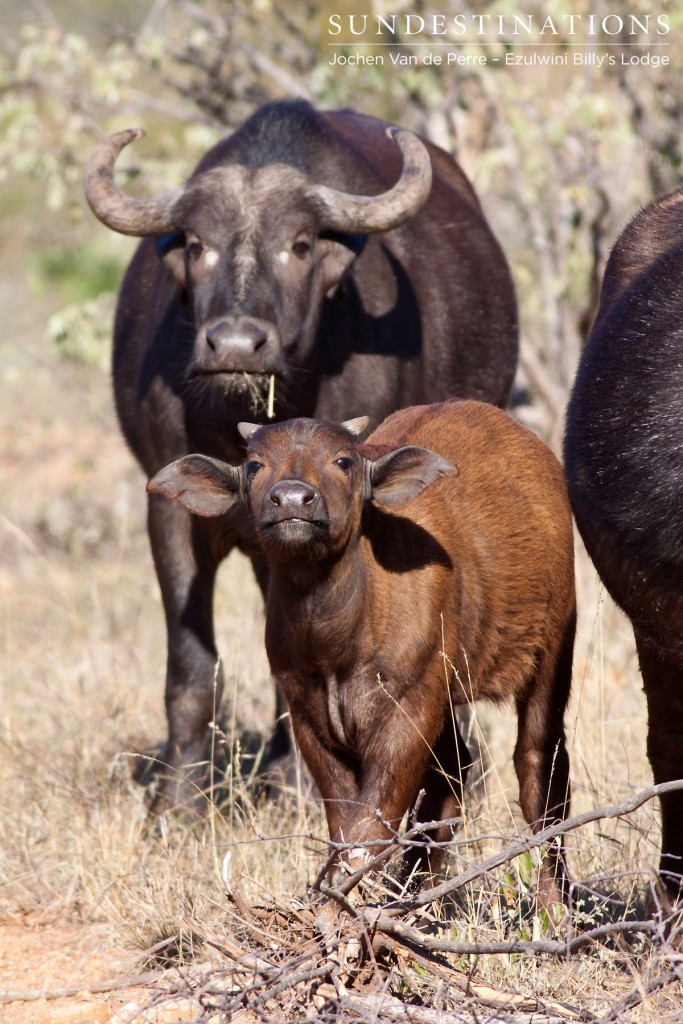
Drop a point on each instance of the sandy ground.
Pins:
(38, 956)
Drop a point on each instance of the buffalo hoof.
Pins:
(284, 779)
(227, 773)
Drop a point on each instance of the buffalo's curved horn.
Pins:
(344, 212)
(120, 212)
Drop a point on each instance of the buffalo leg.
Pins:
(663, 683)
(334, 776)
(365, 800)
(279, 746)
(541, 759)
(443, 784)
(389, 779)
(186, 567)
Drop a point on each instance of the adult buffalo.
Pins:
(624, 462)
(292, 275)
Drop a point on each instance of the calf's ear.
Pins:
(202, 485)
(400, 475)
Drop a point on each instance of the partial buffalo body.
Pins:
(313, 265)
(624, 459)
(427, 568)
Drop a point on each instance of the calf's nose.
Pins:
(294, 496)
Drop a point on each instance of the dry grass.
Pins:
(81, 689)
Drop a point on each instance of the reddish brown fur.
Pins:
(479, 567)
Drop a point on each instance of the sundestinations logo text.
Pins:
(578, 40)
(462, 26)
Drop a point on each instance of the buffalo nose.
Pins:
(243, 336)
(294, 496)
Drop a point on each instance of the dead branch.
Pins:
(223, 943)
(414, 938)
(542, 838)
(113, 985)
(637, 995)
(386, 1007)
(413, 837)
(487, 996)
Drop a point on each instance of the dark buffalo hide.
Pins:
(624, 462)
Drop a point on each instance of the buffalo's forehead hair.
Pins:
(237, 199)
(301, 435)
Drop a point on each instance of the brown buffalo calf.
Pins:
(428, 567)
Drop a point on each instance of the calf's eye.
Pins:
(194, 250)
(344, 463)
(253, 467)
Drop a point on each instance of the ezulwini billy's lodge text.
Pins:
(575, 58)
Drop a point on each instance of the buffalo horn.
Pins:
(245, 430)
(344, 212)
(357, 425)
(120, 212)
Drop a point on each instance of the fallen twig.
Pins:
(413, 937)
(31, 994)
(387, 1007)
(637, 994)
(495, 998)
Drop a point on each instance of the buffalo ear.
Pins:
(171, 252)
(400, 475)
(200, 484)
(338, 253)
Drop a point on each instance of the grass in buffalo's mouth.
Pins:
(259, 387)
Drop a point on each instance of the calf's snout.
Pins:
(294, 497)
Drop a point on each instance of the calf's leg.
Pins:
(366, 796)
(443, 783)
(541, 759)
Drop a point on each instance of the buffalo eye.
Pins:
(253, 467)
(301, 249)
(344, 463)
(194, 250)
